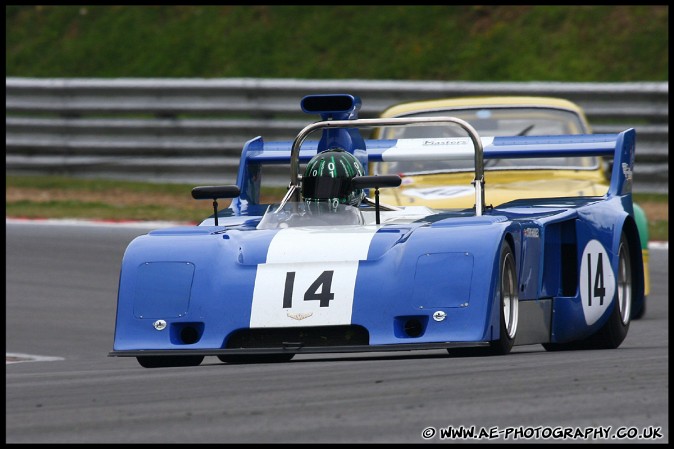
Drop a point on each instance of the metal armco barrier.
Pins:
(193, 130)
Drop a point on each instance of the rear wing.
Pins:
(256, 152)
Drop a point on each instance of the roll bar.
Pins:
(478, 182)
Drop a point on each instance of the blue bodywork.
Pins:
(421, 279)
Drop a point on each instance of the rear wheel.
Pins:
(614, 331)
(261, 358)
(638, 314)
(169, 361)
(508, 301)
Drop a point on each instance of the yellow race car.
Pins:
(442, 186)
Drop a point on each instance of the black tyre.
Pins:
(169, 361)
(262, 358)
(614, 331)
(508, 301)
(612, 334)
(638, 313)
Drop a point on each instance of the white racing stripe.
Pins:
(309, 277)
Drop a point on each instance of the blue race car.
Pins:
(330, 269)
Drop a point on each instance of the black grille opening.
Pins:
(349, 335)
(189, 335)
(414, 328)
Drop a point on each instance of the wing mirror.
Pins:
(213, 193)
(375, 182)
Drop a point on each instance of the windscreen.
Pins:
(295, 214)
(491, 122)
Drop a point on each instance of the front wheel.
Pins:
(507, 300)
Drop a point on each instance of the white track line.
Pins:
(12, 357)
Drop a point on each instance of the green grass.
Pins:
(64, 197)
(49, 182)
(659, 230)
(99, 211)
(656, 207)
(426, 42)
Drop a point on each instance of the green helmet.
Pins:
(328, 175)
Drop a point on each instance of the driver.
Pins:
(327, 180)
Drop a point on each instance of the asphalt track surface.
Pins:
(61, 300)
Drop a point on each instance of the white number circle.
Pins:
(597, 281)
